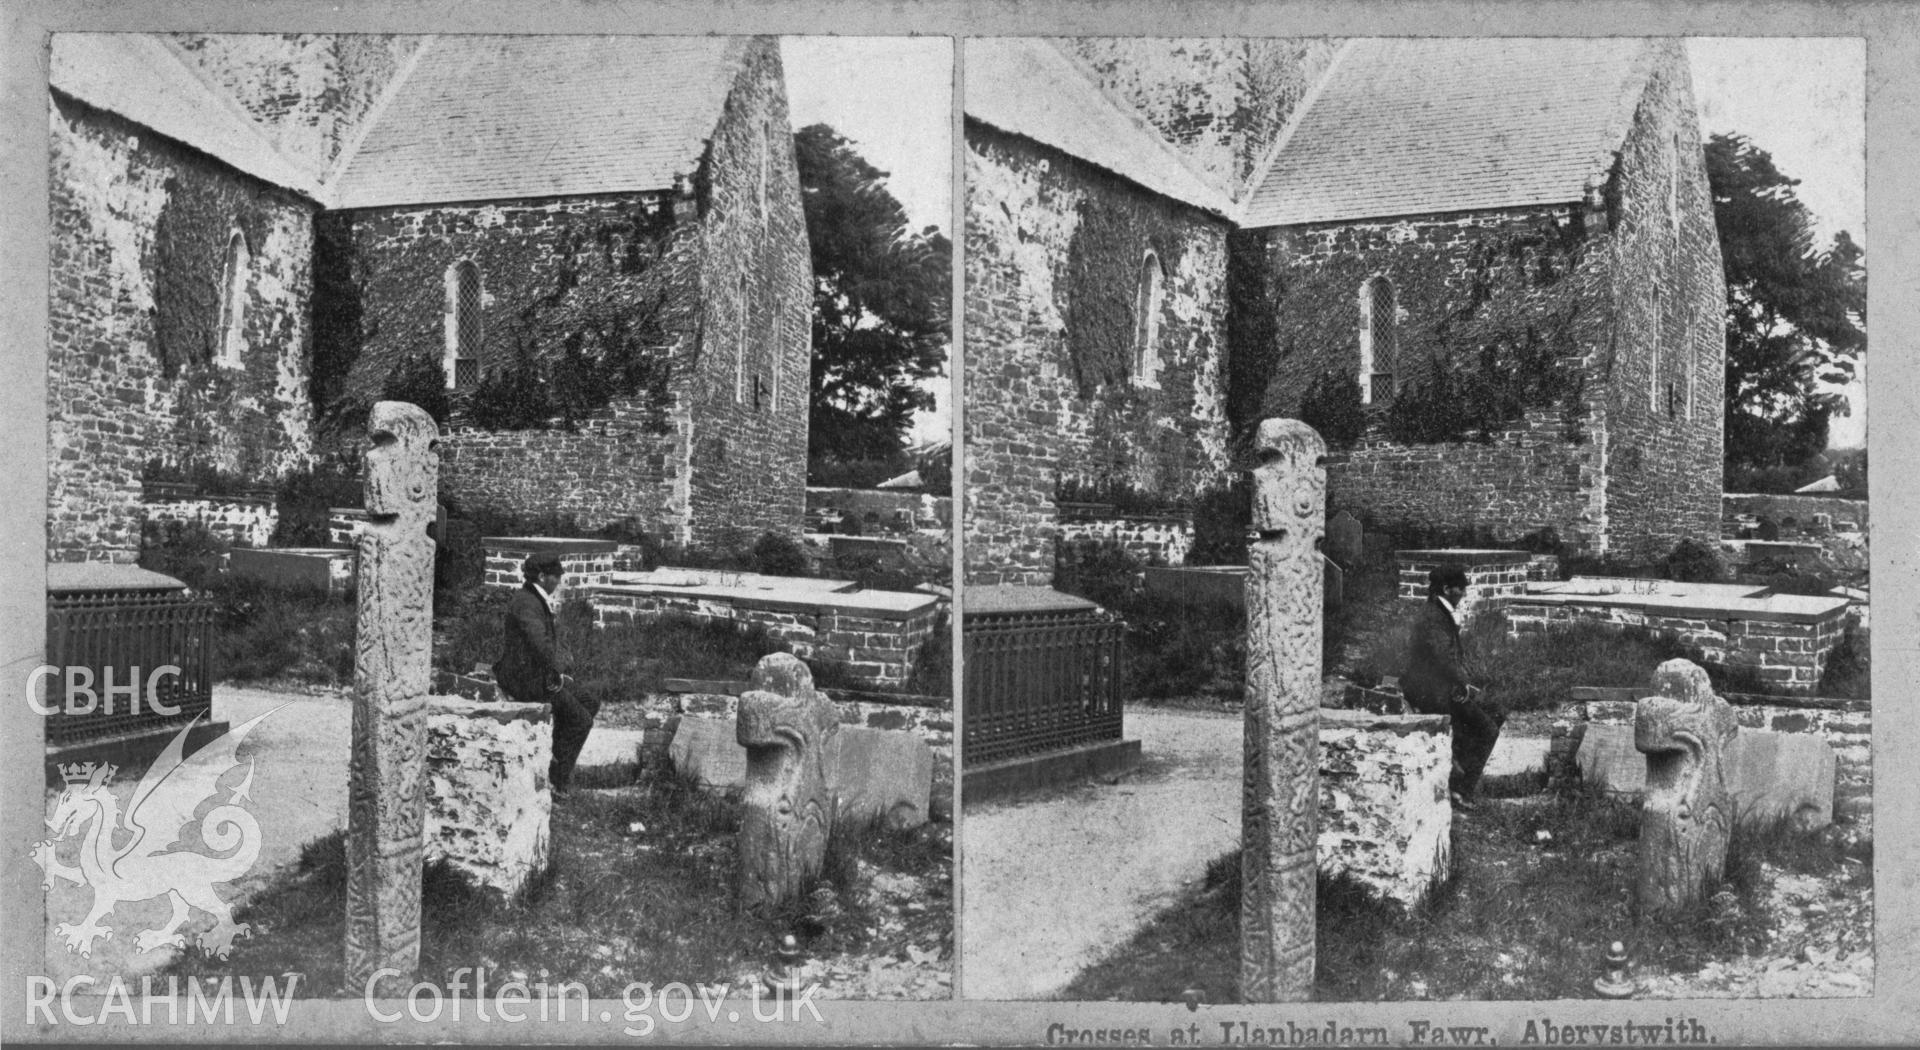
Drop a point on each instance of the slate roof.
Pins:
(501, 117)
(1425, 125)
(143, 79)
(1029, 87)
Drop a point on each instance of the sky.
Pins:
(893, 97)
(1801, 99)
(1804, 101)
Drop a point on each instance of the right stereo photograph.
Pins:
(1415, 521)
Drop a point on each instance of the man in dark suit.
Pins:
(1435, 681)
(529, 667)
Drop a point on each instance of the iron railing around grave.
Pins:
(1040, 681)
(127, 635)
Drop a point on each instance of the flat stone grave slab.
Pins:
(875, 773)
(1773, 775)
(610, 747)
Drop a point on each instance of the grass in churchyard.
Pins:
(640, 890)
(1524, 917)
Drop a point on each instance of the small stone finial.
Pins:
(788, 729)
(1615, 984)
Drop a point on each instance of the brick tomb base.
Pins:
(583, 563)
(1493, 576)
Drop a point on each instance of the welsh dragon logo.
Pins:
(140, 855)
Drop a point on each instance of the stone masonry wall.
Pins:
(627, 462)
(1384, 816)
(489, 805)
(749, 405)
(1305, 294)
(1049, 242)
(140, 228)
(1664, 418)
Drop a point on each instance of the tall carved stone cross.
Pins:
(386, 792)
(1279, 819)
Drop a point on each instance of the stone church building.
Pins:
(592, 248)
(1485, 269)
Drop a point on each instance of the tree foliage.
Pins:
(1796, 313)
(880, 303)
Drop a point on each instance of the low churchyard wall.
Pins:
(1801, 508)
(1784, 638)
(240, 522)
(879, 510)
(877, 635)
(1846, 726)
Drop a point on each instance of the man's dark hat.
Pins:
(540, 564)
(1446, 576)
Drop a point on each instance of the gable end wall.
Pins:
(749, 462)
(1026, 205)
(139, 227)
(1664, 469)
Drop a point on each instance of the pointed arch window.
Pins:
(233, 302)
(465, 300)
(1379, 339)
(1148, 298)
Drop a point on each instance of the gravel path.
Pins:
(299, 793)
(1055, 879)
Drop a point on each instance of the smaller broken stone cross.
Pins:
(788, 730)
(387, 785)
(1687, 817)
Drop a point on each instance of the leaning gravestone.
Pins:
(1687, 816)
(1279, 823)
(787, 729)
(386, 787)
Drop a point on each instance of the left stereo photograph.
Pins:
(499, 523)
